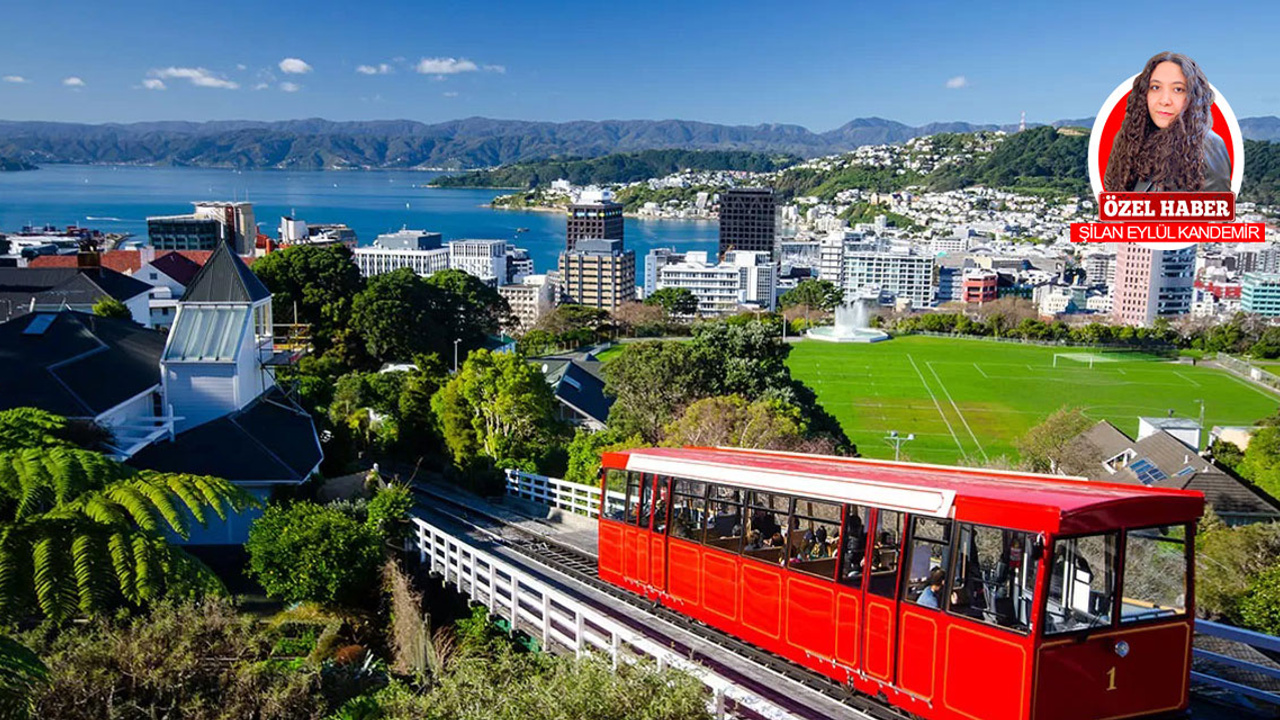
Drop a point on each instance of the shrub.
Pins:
(1260, 609)
(307, 552)
(1228, 559)
(389, 511)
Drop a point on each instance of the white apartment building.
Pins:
(485, 259)
(376, 261)
(655, 260)
(744, 278)
(1099, 268)
(906, 276)
(943, 246)
(529, 300)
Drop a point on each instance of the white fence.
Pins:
(1249, 370)
(574, 497)
(555, 617)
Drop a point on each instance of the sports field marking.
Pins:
(975, 367)
(936, 404)
(957, 408)
(1121, 371)
(1251, 386)
(1184, 377)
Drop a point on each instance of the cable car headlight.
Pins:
(1122, 648)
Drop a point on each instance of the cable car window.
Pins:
(766, 519)
(1082, 584)
(724, 518)
(646, 501)
(853, 556)
(885, 554)
(633, 497)
(1155, 574)
(661, 502)
(814, 538)
(688, 508)
(994, 578)
(615, 481)
(927, 563)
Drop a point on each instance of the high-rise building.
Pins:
(1260, 294)
(486, 259)
(743, 278)
(598, 273)
(406, 239)
(376, 261)
(594, 216)
(747, 220)
(906, 276)
(1099, 268)
(211, 222)
(529, 300)
(1152, 283)
(654, 261)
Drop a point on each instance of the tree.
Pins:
(1261, 463)
(305, 552)
(651, 382)
(1043, 448)
(470, 309)
(819, 294)
(1227, 454)
(499, 407)
(731, 421)
(585, 450)
(312, 284)
(1260, 608)
(1227, 561)
(109, 307)
(638, 320)
(80, 532)
(398, 315)
(675, 301)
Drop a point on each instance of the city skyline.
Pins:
(741, 64)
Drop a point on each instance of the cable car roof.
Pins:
(1056, 504)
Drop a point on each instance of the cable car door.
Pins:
(880, 601)
(658, 536)
(641, 547)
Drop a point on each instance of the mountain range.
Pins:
(457, 144)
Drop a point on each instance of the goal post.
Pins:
(1075, 357)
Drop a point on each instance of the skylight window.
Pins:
(207, 333)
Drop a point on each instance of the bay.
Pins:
(120, 198)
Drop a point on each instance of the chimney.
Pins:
(88, 259)
(147, 254)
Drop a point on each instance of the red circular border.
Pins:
(1116, 119)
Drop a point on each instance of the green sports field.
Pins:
(972, 398)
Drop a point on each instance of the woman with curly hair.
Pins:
(1167, 141)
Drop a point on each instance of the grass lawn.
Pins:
(609, 354)
(972, 398)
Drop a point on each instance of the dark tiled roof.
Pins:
(80, 366)
(271, 439)
(577, 387)
(53, 286)
(225, 278)
(177, 266)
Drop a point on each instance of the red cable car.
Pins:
(949, 592)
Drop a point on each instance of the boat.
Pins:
(520, 230)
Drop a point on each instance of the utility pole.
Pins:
(455, 355)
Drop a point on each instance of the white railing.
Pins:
(574, 497)
(556, 618)
(1247, 637)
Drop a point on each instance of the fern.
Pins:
(20, 673)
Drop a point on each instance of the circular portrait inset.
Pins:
(1166, 129)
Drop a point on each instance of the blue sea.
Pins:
(119, 199)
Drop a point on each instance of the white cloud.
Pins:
(262, 86)
(241, 66)
(73, 81)
(197, 76)
(450, 94)
(14, 79)
(294, 66)
(958, 82)
(290, 87)
(495, 68)
(153, 84)
(379, 69)
(445, 66)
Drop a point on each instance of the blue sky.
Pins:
(817, 64)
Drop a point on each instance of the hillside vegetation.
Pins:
(616, 168)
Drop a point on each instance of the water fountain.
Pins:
(852, 324)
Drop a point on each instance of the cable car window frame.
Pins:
(695, 532)
(1027, 563)
(1114, 568)
(710, 517)
(878, 579)
(1188, 554)
(845, 576)
(815, 566)
(610, 476)
(763, 550)
(916, 540)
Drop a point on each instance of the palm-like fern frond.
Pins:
(20, 673)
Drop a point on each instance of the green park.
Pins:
(970, 399)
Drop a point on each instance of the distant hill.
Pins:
(617, 168)
(11, 164)
(457, 144)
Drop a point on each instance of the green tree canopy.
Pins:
(1261, 463)
(470, 309)
(585, 450)
(817, 294)
(1044, 447)
(398, 315)
(319, 281)
(675, 301)
(307, 552)
(109, 307)
(498, 407)
(732, 421)
(651, 382)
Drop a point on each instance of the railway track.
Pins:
(574, 564)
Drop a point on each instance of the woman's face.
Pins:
(1166, 94)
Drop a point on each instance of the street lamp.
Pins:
(896, 440)
(455, 355)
